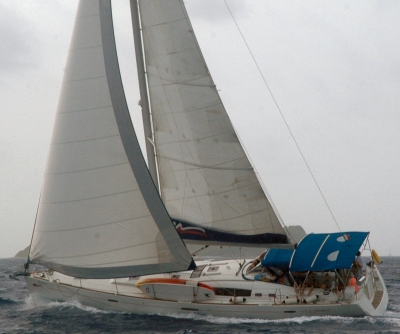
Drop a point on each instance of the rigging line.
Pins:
(284, 119)
(26, 265)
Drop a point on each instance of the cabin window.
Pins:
(197, 272)
(232, 292)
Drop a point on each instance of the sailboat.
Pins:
(112, 231)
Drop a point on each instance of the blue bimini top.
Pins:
(278, 258)
(327, 251)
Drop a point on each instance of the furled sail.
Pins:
(100, 214)
(206, 180)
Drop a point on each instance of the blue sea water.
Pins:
(18, 314)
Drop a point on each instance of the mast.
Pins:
(144, 98)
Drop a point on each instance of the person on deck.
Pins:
(310, 282)
(298, 281)
(326, 283)
(359, 265)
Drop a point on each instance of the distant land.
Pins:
(23, 253)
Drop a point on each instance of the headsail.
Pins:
(205, 176)
(100, 214)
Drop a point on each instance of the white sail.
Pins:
(205, 175)
(100, 214)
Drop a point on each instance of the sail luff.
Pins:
(144, 99)
(100, 215)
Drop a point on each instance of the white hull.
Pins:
(123, 295)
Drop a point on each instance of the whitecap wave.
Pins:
(78, 305)
(392, 314)
(31, 303)
(391, 318)
(392, 321)
(28, 304)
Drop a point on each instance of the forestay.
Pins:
(99, 214)
(205, 176)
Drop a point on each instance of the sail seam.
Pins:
(91, 198)
(85, 79)
(165, 23)
(84, 16)
(84, 140)
(187, 83)
(97, 265)
(187, 111)
(106, 251)
(83, 110)
(221, 134)
(94, 226)
(204, 166)
(88, 169)
(229, 190)
(86, 48)
(197, 109)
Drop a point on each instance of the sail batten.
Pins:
(100, 215)
(89, 169)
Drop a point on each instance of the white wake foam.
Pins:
(299, 320)
(78, 305)
(31, 303)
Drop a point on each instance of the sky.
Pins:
(330, 70)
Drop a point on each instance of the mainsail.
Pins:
(99, 213)
(206, 179)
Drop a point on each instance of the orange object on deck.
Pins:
(353, 282)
